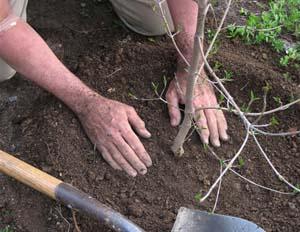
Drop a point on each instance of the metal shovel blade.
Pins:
(189, 220)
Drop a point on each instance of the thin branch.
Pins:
(60, 213)
(169, 33)
(281, 108)
(275, 134)
(218, 192)
(228, 166)
(114, 72)
(245, 178)
(253, 28)
(272, 166)
(259, 185)
(264, 107)
(75, 221)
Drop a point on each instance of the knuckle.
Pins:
(125, 130)
(123, 164)
(212, 120)
(142, 124)
(131, 110)
(169, 94)
(110, 133)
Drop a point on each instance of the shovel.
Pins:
(187, 220)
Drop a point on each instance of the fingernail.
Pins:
(226, 137)
(205, 140)
(217, 143)
(133, 173)
(148, 134)
(173, 122)
(149, 163)
(117, 168)
(143, 171)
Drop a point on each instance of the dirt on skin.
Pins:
(37, 128)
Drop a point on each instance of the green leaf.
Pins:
(244, 12)
(281, 18)
(198, 197)
(132, 96)
(278, 100)
(165, 81)
(241, 162)
(151, 40)
(6, 229)
(295, 190)
(222, 163)
(274, 121)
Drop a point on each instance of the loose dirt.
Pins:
(94, 44)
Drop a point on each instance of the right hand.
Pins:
(109, 124)
(211, 122)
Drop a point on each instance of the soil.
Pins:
(90, 39)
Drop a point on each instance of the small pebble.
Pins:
(265, 56)
(13, 99)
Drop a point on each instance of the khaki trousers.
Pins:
(142, 16)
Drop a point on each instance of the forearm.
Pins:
(26, 51)
(184, 14)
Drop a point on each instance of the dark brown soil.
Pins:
(93, 43)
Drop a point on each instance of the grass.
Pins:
(281, 18)
(6, 229)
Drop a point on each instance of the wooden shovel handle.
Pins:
(28, 174)
(64, 193)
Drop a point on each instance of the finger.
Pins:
(109, 159)
(137, 146)
(222, 125)
(201, 123)
(173, 108)
(121, 161)
(138, 124)
(130, 155)
(213, 127)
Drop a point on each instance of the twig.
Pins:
(259, 185)
(228, 166)
(75, 221)
(272, 166)
(218, 192)
(114, 72)
(264, 107)
(281, 108)
(275, 134)
(169, 33)
(246, 179)
(60, 213)
(253, 28)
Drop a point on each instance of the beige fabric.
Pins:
(144, 16)
(19, 9)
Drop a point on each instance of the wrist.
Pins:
(85, 101)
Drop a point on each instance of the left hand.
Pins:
(211, 122)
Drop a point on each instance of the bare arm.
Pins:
(107, 123)
(27, 52)
(184, 14)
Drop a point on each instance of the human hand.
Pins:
(109, 124)
(211, 122)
